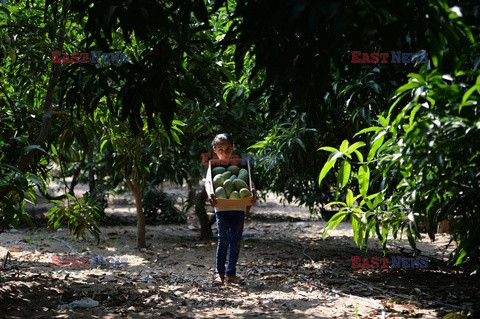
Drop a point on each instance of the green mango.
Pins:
(239, 184)
(226, 175)
(228, 185)
(243, 175)
(218, 181)
(220, 192)
(244, 192)
(233, 177)
(234, 195)
(218, 170)
(234, 169)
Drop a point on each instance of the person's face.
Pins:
(223, 151)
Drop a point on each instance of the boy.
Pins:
(230, 220)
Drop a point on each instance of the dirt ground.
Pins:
(289, 272)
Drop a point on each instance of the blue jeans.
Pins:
(230, 229)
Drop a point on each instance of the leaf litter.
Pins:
(290, 272)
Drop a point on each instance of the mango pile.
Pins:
(230, 183)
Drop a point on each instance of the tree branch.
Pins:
(10, 101)
(48, 104)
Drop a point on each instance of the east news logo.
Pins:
(96, 262)
(382, 57)
(92, 57)
(235, 160)
(384, 262)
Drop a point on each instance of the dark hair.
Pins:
(222, 138)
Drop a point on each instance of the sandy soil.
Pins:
(289, 272)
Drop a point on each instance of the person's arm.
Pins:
(254, 193)
(209, 188)
(212, 199)
(254, 200)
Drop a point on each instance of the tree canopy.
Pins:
(278, 75)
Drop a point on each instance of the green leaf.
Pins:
(34, 179)
(413, 113)
(354, 147)
(369, 129)
(335, 155)
(5, 10)
(25, 218)
(103, 145)
(363, 179)
(377, 142)
(344, 146)
(328, 149)
(469, 92)
(398, 99)
(299, 142)
(349, 199)
(461, 257)
(356, 227)
(359, 156)
(178, 122)
(344, 173)
(326, 168)
(336, 203)
(334, 221)
(369, 204)
(410, 85)
(29, 148)
(175, 137)
(383, 121)
(261, 144)
(453, 315)
(12, 54)
(418, 77)
(411, 240)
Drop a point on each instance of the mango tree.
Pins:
(133, 157)
(28, 101)
(421, 164)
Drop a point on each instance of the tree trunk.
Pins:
(137, 189)
(443, 227)
(91, 172)
(141, 242)
(76, 175)
(192, 184)
(205, 222)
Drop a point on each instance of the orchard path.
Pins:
(290, 272)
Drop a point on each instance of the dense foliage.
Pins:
(423, 155)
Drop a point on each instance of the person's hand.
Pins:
(254, 193)
(213, 200)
